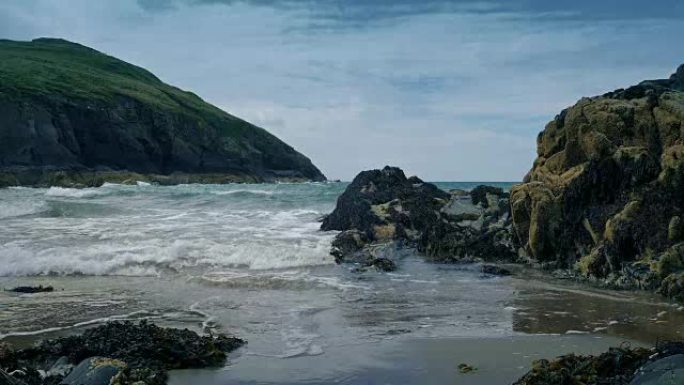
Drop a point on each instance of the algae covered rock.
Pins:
(383, 212)
(663, 364)
(606, 191)
(617, 366)
(139, 345)
(116, 353)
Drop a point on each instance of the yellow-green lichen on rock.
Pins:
(607, 187)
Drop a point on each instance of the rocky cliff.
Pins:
(71, 115)
(605, 195)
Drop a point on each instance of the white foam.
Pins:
(72, 192)
(166, 230)
(246, 192)
(9, 209)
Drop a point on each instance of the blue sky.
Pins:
(447, 90)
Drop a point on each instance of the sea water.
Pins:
(250, 260)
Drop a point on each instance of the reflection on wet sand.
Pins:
(565, 309)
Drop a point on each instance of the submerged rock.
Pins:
(383, 207)
(606, 192)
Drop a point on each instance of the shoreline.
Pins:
(411, 361)
(94, 178)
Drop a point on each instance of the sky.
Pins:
(447, 90)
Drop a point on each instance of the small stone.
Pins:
(465, 368)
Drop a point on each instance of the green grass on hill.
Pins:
(53, 68)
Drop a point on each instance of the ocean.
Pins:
(250, 260)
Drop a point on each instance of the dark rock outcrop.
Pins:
(606, 193)
(70, 115)
(617, 366)
(383, 210)
(117, 353)
(32, 289)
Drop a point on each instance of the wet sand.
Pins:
(421, 361)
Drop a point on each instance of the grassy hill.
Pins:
(175, 130)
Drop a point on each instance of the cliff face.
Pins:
(606, 192)
(70, 114)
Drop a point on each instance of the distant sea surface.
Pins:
(250, 260)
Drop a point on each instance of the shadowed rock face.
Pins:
(606, 192)
(382, 212)
(70, 109)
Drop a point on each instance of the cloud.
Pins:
(449, 90)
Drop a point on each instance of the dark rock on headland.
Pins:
(116, 353)
(72, 116)
(383, 210)
(605, 196)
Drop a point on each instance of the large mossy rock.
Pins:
(382, 212)
(72, 116)
(606, 192)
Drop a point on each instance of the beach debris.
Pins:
(465, 368)
(32, 289)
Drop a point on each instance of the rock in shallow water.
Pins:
(384, 207)
(146, 350)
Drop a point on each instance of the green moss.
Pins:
(673, 286)
(675, 229)
(671, 261)
(7, 180)
(629, 213)
(586, 264)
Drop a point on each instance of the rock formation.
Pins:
(382, 212)
(70, 115)
(605, 195)
(116, 353)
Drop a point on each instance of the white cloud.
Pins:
(452, 95)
